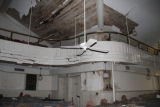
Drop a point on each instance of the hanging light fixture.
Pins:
(40, 77)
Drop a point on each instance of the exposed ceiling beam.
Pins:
(56, 12)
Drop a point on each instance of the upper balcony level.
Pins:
(122, 49)
(108, 35)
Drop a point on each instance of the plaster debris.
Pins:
(23, 6)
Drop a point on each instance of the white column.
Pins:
(113, 83)
(100, 14)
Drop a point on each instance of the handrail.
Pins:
(23, 34)
(127, 37)
(80, 35)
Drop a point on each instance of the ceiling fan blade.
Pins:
(70, 47)
(81, 53)
(99, 50)
(91, 42)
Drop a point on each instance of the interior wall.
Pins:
(126, 83)
(12, 83)
(74, 89)
(92, 81)
(96, 96)
(8, 22)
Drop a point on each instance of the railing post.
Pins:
(38, 41)
(127, 39)
(138, 45)
(148, 49)
(79, 40)
(11, 35)
(60, 43)
(156, 52)
(109, 39)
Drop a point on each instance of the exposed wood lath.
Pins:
(64, 23)
(113, 17)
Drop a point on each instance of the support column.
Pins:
(113, 83)
(100, 19)
(100, 14)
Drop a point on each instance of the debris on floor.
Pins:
(32, 102)
(145, 100)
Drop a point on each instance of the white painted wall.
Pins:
(10, 23)
(13, 82)
(91, 96)
(94, 81)
(45, 84)
(126, 83)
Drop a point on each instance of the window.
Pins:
(31, 81)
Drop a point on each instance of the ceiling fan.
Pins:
(89, 45)
(86, 45)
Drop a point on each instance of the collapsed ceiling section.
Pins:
(57, 17)
(23, 6)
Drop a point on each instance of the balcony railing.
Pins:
(111, 36)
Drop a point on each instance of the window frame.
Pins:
(35, 84)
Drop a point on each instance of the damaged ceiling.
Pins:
(57, 17)
(145, 13)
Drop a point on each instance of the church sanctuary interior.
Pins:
(79, 53)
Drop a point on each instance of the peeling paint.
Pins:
(23, 6)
